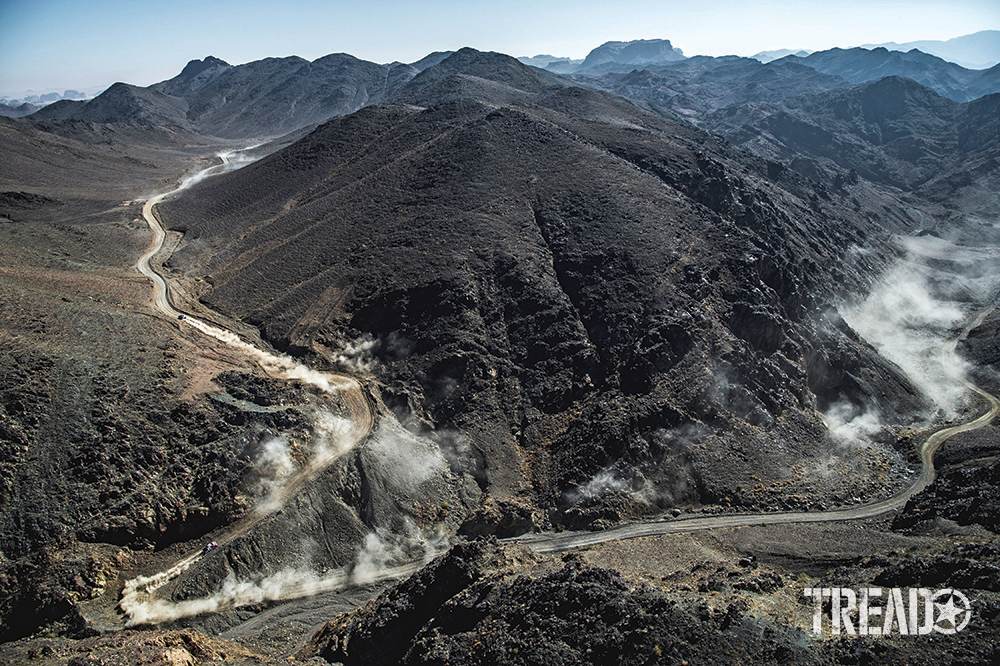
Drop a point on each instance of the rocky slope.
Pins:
(568, 312)
(892, 132)
(195, 76)
(475, 605)
(124, 104)
(608, 307)
(695, 87)
(484, 604)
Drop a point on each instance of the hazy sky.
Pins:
(85, 44)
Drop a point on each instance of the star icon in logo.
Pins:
(948, 612)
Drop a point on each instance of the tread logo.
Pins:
(869, 612)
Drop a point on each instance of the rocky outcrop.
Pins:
(626, 56)
(965, 496)
(970, 567)
(476, 604)
(195, 76)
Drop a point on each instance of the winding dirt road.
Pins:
(137, 599)
(137, 593)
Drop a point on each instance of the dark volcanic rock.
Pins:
(122, 469)
(970, 567)
(565, 280)
(966, 496)
(469, 608)
(982, 345)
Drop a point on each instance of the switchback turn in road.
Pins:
(137, 596)
(140, 607)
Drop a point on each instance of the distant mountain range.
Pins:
(266, 97)
(17, 110)
(861, 65)
(892, 131)
(45, 98)
(275, 96)
(980, 50)
(768, 56)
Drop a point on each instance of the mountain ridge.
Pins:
(860, 65)
(569, 308)
(503, 224)
(979, 50)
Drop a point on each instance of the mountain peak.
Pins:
(639, 52)
(193, 77)
(471, 74)
(196, 67)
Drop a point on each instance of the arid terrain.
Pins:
(477, 363)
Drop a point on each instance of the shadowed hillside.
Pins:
(565, 280)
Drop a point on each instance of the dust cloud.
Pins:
(906, 319)
(275, 365)
(274, 467)
(852, 426)
(407, 459)
(381, 556)
(913, 315)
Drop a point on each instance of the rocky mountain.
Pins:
(694, 87)
(616, 56)
(892, 131)
(612, 57)
(430, 60)
(555, 64)
(269, 97)
(581, 290)
(195, 76)
(278, 95)
(467, 75)
(860, 65)
(565, 310)
(697, 86)
(126, 105)
(17, 110)
(768, 56)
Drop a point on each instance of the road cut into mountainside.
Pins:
(137, 596)
(141, 607)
